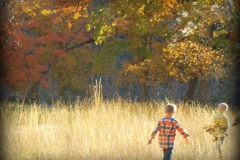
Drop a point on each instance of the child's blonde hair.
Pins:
(224, 105)
(170, 108)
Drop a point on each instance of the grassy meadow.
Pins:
(106, 130)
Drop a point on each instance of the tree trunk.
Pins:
(62, 91)
(203, 91)
(145, 93)
(31, 90)
(191, 89)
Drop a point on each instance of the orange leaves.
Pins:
(131, 73)
(42, 31)
(149, 72)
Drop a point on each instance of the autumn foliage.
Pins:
(182, 61)
(62, 42)
(42, 34)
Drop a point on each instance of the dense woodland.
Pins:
(137, 49)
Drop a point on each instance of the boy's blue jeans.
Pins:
(167, 153)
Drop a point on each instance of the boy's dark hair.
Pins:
(170, 108)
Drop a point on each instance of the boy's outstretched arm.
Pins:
(187, 140)
(150, 140)
(153, 134)
(182, 132)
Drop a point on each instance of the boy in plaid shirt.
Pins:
(221, 124)
(167, 128)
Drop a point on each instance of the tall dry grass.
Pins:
(107, 130)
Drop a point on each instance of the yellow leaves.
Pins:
(69, 24)
(192, 45)
(138, 71)
(88, 26)
(47, 12)
(182, 45)
(191, 59)
(218, 33)
(104, 31)
(29, 11)
(141, 10)
(118, 11)
(105, 28)
(99, 40)
(76, 15)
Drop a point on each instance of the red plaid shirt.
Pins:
(167, 128)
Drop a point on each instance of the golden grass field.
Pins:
(107, 130)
